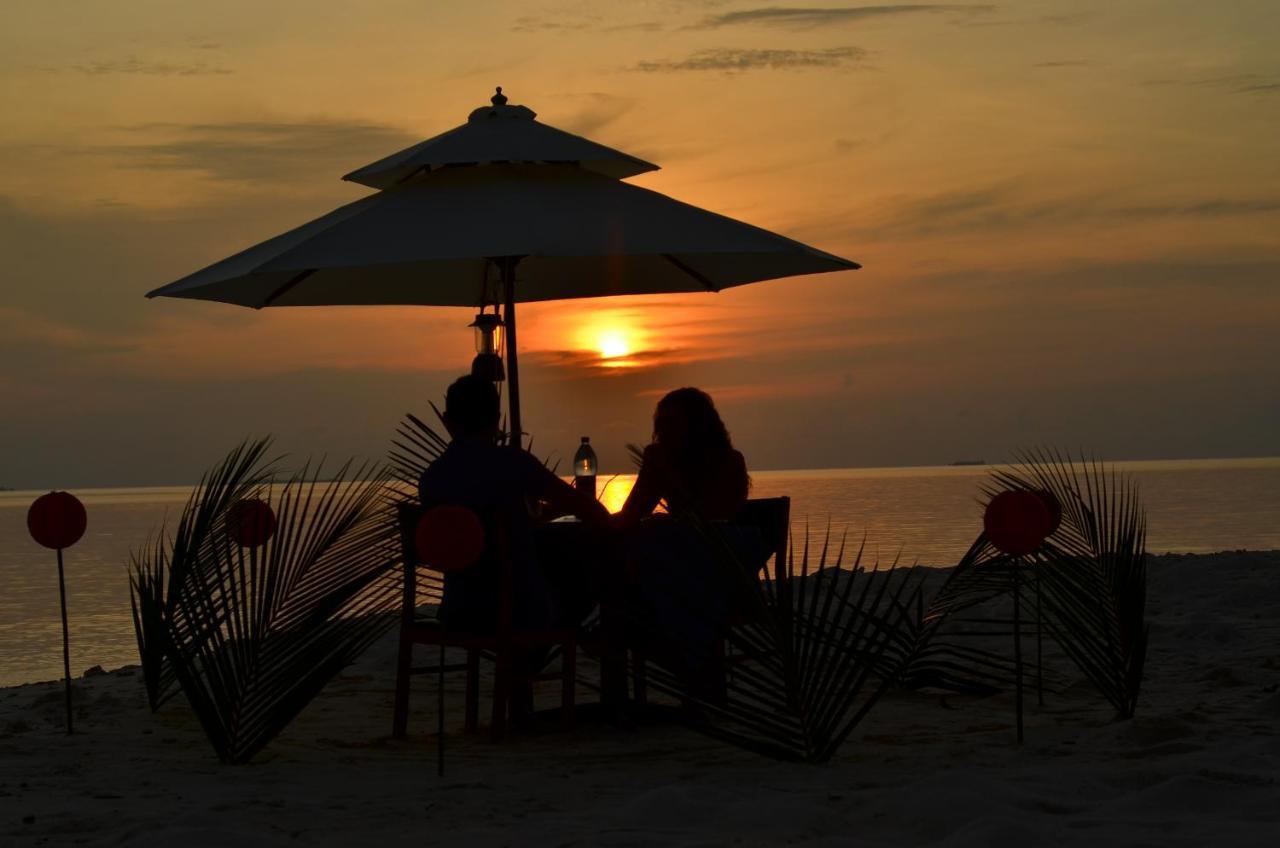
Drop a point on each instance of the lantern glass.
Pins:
(488, 329)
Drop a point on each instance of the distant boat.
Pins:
(969, 462)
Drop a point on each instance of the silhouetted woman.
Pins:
(691, 465)
(679, 572)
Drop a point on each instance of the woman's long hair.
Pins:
(701, 448)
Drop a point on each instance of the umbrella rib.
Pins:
(710, 286)
(284, 289)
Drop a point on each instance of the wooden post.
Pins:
(66, 640)
(1017, 645)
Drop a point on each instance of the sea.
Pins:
(925, 515)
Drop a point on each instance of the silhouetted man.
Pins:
(504, 484)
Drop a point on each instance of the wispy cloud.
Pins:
(590, 362)
(582, 23)
(1001, 207)
(258, 151)
(144, 67)
(1233, 83)
(530, 23)
(808, 18)
(601, 109)
(733, 61)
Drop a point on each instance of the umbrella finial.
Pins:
(499, 99)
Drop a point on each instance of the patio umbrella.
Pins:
(499, 210)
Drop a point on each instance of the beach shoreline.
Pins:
(1196, 766)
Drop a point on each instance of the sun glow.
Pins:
(613, 344)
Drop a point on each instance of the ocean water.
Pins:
(925, 515)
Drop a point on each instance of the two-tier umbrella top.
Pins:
(545, 208)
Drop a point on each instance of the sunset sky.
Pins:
(1068, 215)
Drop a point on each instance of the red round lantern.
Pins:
(56, 520)
(1017, 522)
(449, 538)
(251, 522)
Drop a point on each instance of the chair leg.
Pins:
(400, 715)
(501, 695)
(568, 682)
(440, 715)
(720, 672)
(473, 692)
(640, 678)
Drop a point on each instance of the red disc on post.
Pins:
(56, 520)
(449, 538)
(1017, 522)
(251, 522)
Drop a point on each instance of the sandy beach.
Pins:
(1197, 766)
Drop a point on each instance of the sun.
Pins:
(613, 344)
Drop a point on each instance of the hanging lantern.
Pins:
(488, 361)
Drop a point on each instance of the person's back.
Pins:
(500, 484)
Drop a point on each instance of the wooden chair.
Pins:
(772, 518)
(453, 538)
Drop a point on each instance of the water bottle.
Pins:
(584, 468)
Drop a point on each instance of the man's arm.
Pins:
(563, 499)
(559, 497)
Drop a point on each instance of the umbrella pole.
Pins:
(508, 265)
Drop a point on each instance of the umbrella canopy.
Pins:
(499, 133)
(428, 242)
(501, 191)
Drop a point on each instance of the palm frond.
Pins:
(415, 446)
(957, 639)
(153, 590)
(811, 642)
(254, 634)
(1088, 582)
(1092, 570)
(636, 454)
(148, 569)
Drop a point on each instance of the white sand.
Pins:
(1198, 766)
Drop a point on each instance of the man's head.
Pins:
(471, 408)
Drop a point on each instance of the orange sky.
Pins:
(1068, 214)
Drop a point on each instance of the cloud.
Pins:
(259, 151)
(736, 61)
(134, 65)
(589, 362)
(808, 18)
(1233, 83)
(530, 23)
(998, 207)
(600, 111)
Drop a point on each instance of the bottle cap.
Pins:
(586, 438)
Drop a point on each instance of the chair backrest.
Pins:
(447, 539)
(772, 517)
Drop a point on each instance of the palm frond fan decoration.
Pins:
(1092, 570)
(153, 593)
(807, 649)
(1085, 581)
(263, 606)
